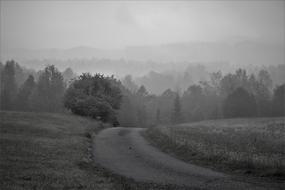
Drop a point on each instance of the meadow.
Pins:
(47, 151)
(244, 146)
(54, 151)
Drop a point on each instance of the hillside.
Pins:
(47, 151)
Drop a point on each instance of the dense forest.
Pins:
(124, 102)
(232, 95)
(157, 76)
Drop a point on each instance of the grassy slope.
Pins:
(54, 151)
(47, 151)
(251, 146)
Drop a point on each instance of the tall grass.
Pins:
(252, 145)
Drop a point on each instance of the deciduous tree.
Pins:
(8, 86)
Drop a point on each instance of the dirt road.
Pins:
(124, 151)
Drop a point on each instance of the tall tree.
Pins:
(240, 103)
(278, 102)
(129, 84)
(8, 86)
(263, 93)
(68, 75)
(141, 100)
(211, 100)
(127, 112)
(142, 92)
(193, 101)
(49, 92)
(25, 91)
(265, 79)
(231, 82)
(165, 105)
(176, 115)
(216, 78)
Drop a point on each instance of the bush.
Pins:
(94, 96)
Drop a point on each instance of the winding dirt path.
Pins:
(124, 151)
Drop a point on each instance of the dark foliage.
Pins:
(25, 91)
(193, 101)
(177, 116)
(48, 94)
(8, 86)
(107, 99)
(240, 103)
(278, 103)
(45, 94)
(95, 96)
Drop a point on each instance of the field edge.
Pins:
(166, 145)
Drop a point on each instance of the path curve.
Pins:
(124, 151)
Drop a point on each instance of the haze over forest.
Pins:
(152, 41)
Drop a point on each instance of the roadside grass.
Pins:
(54, 151)
(47, 151)
(248, 146)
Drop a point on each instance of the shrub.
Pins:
(95, 96)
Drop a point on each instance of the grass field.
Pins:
(249, 146)
(54, 151)
(47, 151)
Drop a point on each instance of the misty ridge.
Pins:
(174, 66)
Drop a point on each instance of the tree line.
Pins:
(50, 90)
(123, 102)
(232, 95)
(36, 91)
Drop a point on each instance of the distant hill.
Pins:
(240, 53)
(237, 53)
(80, 52)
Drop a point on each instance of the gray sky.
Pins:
(117, 24)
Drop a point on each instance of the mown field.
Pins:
(247, 146)
(45, 151)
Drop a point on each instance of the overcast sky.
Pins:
(63, 24)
